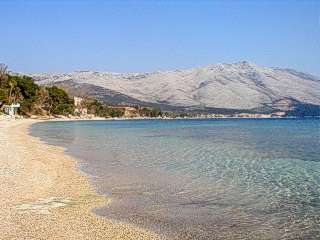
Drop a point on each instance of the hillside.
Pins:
(243, 86)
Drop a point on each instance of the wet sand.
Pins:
(44, 196)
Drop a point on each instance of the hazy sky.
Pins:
(126, 36)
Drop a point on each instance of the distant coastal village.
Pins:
(21, 97)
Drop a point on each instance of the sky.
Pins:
(145, 36)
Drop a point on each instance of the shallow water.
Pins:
(202, 179)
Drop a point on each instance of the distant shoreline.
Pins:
(186, 118)
(40, 119)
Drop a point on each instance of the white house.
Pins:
(79, 109)
(77, 101)
(11, 110)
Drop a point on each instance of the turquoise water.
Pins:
(202, 179)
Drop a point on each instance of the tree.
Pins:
(4, 84)
(3, 75)
(14, 91)
(59, 102)
(41, 103)
(113, 112)
(94, 106)
(27, 86)
(150, 112)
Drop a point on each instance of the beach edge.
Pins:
(46, 196)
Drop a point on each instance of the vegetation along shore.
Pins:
(21, 95)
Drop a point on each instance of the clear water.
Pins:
(202, 179)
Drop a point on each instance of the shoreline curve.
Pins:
(45, 196)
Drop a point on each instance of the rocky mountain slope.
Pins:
(108, 96)
(242, 85)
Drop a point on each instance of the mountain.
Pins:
(241, 86)
(108, 96)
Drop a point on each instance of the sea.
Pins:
(201, 179)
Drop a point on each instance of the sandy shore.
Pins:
(44, 196)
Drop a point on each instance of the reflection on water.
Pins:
(203, 179)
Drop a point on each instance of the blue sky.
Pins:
(135, 36)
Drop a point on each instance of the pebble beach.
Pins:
(44, 196)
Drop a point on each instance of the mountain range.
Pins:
(234, 87)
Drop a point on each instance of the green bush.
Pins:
(28, 88)
(114, 112)
(59, 102)
(150, 112)
(94, 106)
